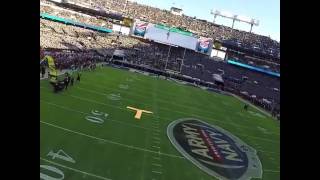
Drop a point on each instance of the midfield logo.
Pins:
(214, 150)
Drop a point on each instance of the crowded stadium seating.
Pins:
(72, 45)
(201, 27)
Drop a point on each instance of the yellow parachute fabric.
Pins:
(52, 68)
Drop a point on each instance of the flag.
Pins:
(52, 68)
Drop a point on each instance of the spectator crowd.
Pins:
(200, 27)
(77, 47)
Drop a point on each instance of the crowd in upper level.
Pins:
(200, 27)
(72, 45)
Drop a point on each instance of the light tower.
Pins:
(235, 18)
(240, 18)
(215, 14)
(253, 22)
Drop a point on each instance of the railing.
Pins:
(73, 23)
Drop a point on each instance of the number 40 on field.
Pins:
(55, 173)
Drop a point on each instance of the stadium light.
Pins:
(244, 18)
(253, 22)
(235, 17)
(226, 14)
(215, 14)
(257, 22)
(240, 18)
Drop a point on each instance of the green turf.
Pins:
(122, 147)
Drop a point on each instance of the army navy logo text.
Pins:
(214, 150)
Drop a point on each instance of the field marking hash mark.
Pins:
(158, 172)
(155, 164)
(157, 158)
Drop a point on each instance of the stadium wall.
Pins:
(253, 68)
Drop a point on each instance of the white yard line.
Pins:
(158, 172)
(111, 142)
(75, 170)
(93, 101)
(157, 158)
(231, 123)
(170, 110)
(155, 133)
(270, 170)
(116, 121)
(97, 102)
(164, 101)
(156, 138)
(166, 109)
(156, 147)
(155, 164)
(156, 130)
(259, 138)
(267, 152)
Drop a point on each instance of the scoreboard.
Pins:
(171, 36)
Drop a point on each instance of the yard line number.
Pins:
(51, 172)
(48, 172)
(97, 117)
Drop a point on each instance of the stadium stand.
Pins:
(229, 36)
(77, 46)
(200, 27)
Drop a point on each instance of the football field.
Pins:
(90, 131)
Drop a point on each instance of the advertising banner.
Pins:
(204, 45)
(140, 28)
